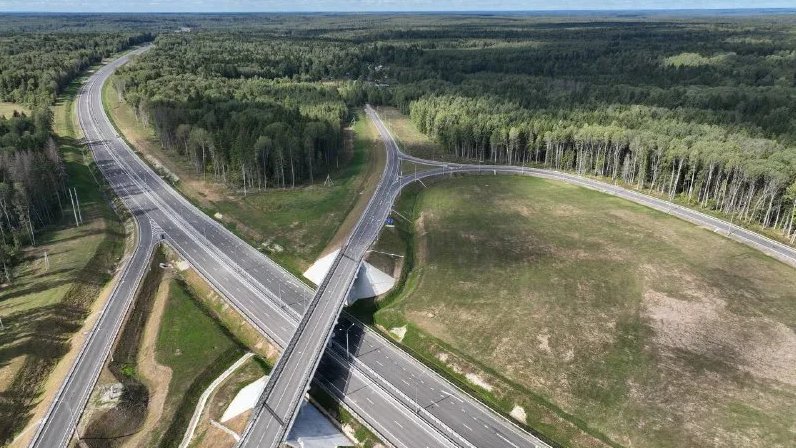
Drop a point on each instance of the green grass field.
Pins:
(300, 221)
(196, 348)
(188, 338)
(607, 322)
(7, 109)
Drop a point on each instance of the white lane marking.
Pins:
(506, 440)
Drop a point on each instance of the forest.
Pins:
(38, 60)
(699, 109)
(237, 108)
(32, 182)
(36, 67)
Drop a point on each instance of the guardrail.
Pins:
(290, 349)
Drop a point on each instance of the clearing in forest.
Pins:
(7, 109)
(293, 226)
(561, 304)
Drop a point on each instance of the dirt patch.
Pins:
(215, 437)
(156, 376)
(238, 424)
(478, 381)
(758, 345)
(398, 333)
(420, 235)
(518, 413)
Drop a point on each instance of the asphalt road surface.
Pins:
(296, 366)
(268, 297)
(400, 399)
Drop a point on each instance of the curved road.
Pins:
(372, 386)
(403, 401)
(290, 379)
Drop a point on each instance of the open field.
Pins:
(637, 328)
(7, 109)
(43, 307)
(293, 225)
(409, 138)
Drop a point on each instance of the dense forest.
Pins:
(701, 110)
(224, 101)
(37, 62)
(37, 66)
(32, 181)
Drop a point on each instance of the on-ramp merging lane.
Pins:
(269, 298)
(403, 401)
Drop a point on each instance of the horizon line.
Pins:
(418, 11)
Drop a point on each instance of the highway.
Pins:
(296, 366)
(400, 399)
(270, 298)
(277, 407)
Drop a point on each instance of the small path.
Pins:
(156, 376)
(197, 413)
(232, 433)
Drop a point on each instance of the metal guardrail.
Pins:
(290, 348)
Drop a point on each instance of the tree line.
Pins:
(750, 178)
(701, 109)
(32, 182)
(246, 131)
(36, 67)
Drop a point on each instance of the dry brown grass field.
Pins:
(637, 327)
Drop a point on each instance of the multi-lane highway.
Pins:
(290, 378)
(296, 366)
(372, 386)
(407, 404)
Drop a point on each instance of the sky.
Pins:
(371, 5)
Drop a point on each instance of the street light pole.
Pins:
(348, 353)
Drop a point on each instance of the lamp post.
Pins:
(348, 353)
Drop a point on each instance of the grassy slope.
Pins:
(302, 221)
(638, 328)
(197, 348)
(42, 308)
